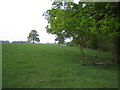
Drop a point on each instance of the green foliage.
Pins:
(68, 22)
(33, 36)
(71, 43)
(71, 20)
(60, 40)
(53, 66)
(110, 24)
(90, 24)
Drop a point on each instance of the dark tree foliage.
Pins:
(33, 36)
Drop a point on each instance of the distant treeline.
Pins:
(15, 41)
(4, 42)
(20, 42)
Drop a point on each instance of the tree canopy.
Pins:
(33, 36)
(85, 21)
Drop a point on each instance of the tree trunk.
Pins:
(33, 40)
(93, 62)
(81, 49)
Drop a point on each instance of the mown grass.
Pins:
(53, 66)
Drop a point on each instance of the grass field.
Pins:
(53, 66)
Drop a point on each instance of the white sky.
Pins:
(19, 17)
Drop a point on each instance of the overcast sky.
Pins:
(19, 17)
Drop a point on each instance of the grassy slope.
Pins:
(52, 66)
